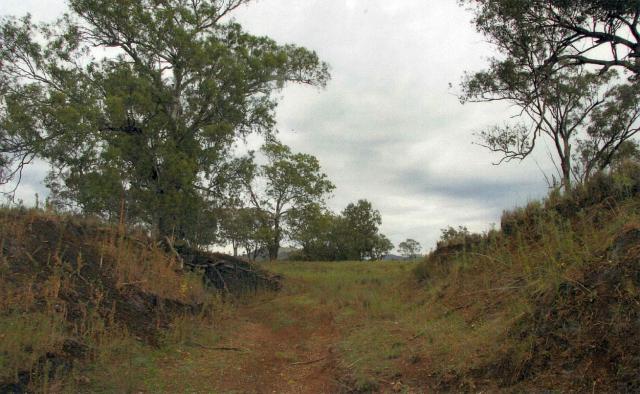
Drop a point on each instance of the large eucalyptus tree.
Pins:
(552, 67)
(137, 103)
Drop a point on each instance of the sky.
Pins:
(388, 127)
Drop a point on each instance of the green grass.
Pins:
(371, 308)
(24, 337)
(475, 317)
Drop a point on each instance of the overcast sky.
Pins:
(387, 127)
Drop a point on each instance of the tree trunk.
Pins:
(255, 253)
(566, 166)
(273, 250)
(274, 247)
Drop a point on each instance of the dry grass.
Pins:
(66, 280)
(524, 307)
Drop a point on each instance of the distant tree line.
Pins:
(351, 235)
(316, 232)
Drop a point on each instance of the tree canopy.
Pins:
(149, 125)
(542, 70)
(409, 248)
(352, 235)
(360, 226)
(602, 33)
(287, 183)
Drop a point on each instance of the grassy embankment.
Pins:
(85, 307)
(550, 302)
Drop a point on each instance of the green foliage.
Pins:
(149, 126)
(604, 188)
(612, 125)
(352, 235)
(450, 234)
(410, 248)
(381, 247)
(359, 227)
(459, 239)
(312, 228)
(572, 30)
(585, 119)
(282, 189)
(242, 228)
(588, 115)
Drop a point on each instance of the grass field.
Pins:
(336, 326)
(344, 327)
(369, 305)
(351, 326)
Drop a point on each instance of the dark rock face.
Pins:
(228, 273)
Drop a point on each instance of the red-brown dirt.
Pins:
(262, 352)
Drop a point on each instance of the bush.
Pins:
(521, 219)
(607, 188)
(457, 238)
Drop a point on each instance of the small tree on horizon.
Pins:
(358, 228)
(410, 248)
(382, 247)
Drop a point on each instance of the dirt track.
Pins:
(296, 358)
(332, 328)
(289, 351)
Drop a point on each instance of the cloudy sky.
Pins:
(388, 127)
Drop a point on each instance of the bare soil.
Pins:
(261, 352)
